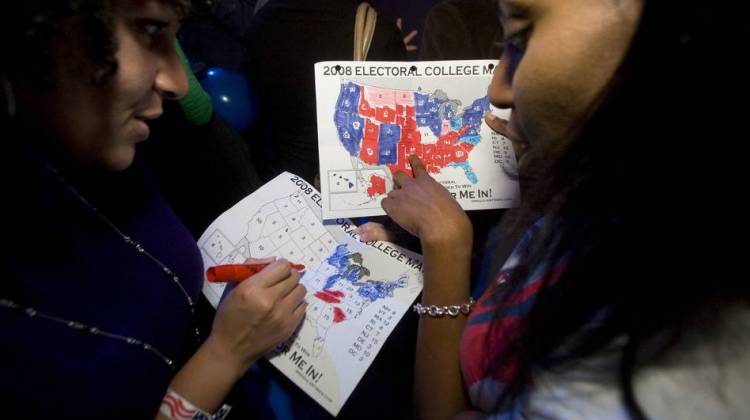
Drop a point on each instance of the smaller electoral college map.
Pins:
(368, 130)
(356, 292)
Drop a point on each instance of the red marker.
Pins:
(239, 272)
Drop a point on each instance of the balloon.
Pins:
(232, 97)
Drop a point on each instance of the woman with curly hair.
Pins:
(100, 284)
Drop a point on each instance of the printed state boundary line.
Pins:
(332, 195)
(217, 289)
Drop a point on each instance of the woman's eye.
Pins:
(152, 28)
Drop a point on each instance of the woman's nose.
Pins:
(171, 81)
(501, 88)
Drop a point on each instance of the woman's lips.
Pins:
(141, 124)
(142, 129)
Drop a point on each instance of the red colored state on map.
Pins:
(364, 107)
(330, 296)
(338, 315)
(385, 115)
(369, 152)
(378, 186)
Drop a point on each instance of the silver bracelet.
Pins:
(437, 311)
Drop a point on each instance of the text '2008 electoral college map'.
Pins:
(356, 292)
(373, 115)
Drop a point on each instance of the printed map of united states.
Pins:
(381, 127)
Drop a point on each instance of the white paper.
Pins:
(357, 292)
(373, 115)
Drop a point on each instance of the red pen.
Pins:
(239, 272)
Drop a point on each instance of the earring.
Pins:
(8, 97)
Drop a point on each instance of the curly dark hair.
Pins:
(27, 29)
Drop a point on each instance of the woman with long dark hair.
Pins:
(608, 293)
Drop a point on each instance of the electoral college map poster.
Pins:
(373, 115)
(356, 292)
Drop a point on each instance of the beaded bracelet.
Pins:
(437, 311)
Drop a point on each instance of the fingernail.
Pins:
(490, 116)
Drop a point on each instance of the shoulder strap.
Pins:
(364, 28)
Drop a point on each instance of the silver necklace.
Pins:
(128, 240)
(78, 326)
(33, 313)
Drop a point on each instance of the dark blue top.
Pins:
(63, 260)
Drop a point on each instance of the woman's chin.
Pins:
(119, 159)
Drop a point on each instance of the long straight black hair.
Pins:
(631, 200)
